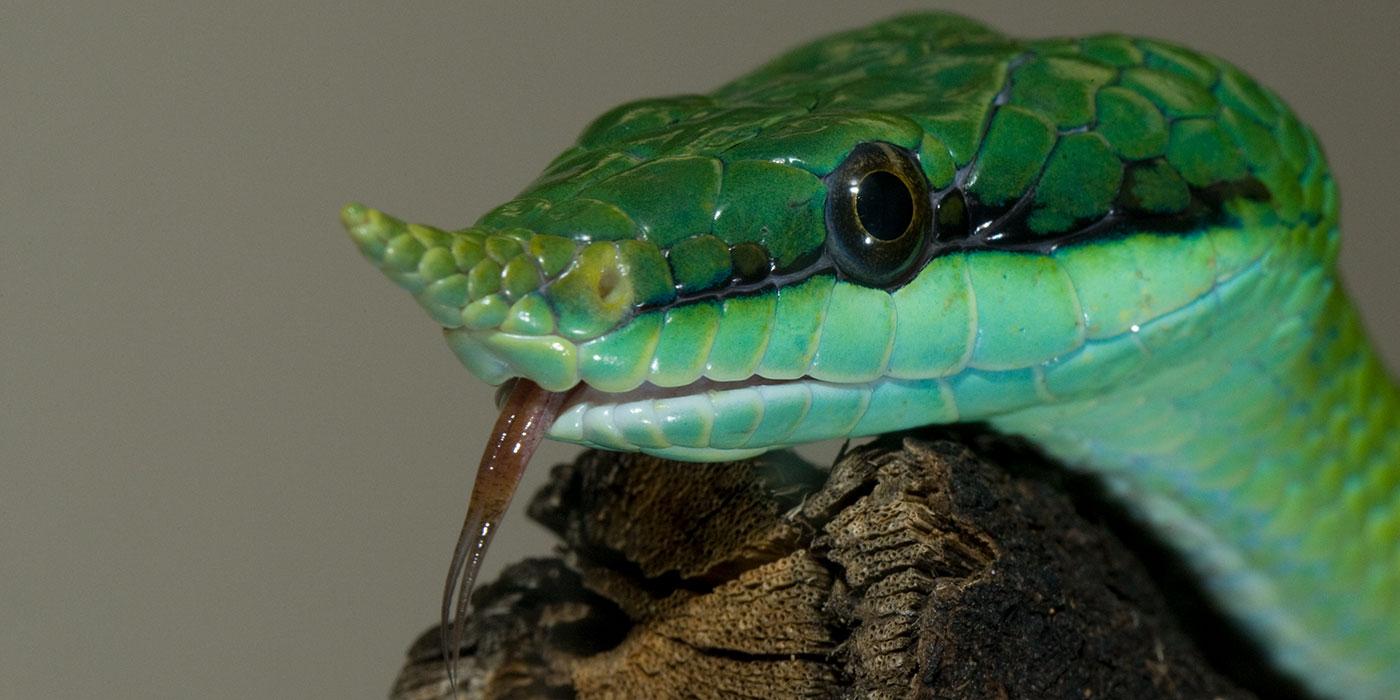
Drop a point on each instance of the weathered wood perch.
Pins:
(914, 569)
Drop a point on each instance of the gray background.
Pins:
(233, 458)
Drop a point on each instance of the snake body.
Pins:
(1121, 249)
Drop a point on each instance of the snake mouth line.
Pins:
(584, 394)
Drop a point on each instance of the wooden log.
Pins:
(915, 568)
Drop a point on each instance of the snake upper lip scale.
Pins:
(1118, 248)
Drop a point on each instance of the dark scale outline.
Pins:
(1005, 228)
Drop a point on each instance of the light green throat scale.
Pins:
(1117, 248)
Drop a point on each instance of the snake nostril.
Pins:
(607, 282)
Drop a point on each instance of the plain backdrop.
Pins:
(233, 458)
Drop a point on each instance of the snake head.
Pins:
(921, 221)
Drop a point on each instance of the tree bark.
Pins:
(916, 567)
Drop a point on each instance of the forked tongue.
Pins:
(525, 417)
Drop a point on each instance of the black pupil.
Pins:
(884, 205)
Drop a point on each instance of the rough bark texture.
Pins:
(913, 569)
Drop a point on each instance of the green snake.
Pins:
(1120, 249)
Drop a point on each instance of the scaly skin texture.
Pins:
(1130, 261)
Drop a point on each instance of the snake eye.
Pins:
(877, 214)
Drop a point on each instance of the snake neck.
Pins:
(1270, 458)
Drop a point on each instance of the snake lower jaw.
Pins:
(710, 421)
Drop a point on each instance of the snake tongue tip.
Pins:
(526, 415)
